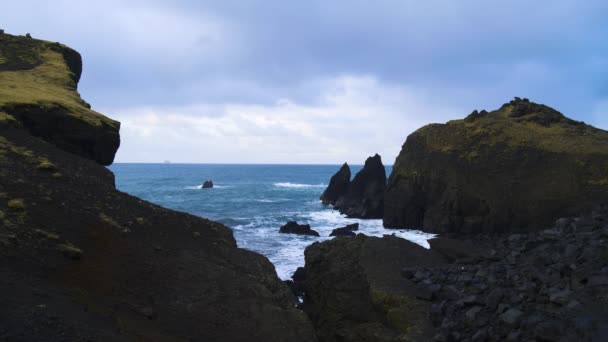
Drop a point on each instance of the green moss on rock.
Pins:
(38, 90)
(16, 205)
(70, 251)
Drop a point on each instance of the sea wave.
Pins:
(298, 185)
(276, 200)
(194, 187)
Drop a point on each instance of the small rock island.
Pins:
(208, 184)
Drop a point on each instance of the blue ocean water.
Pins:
(253, 200)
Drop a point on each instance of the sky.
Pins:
(317, 81)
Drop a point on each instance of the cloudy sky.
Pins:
(318, 81)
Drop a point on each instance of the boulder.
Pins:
(348, 230)
(338, 186)
(355, 291)
(207, 184)
(365, 196)
(293, 227)
(518, 168)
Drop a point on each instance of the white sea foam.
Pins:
(286, 251)
(298, 185)
(277, 200)
(194, 187)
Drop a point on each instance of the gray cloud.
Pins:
(169, 56)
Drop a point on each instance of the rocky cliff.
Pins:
(38, 93)
(517, 168)
(80, 260)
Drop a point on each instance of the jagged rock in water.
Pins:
(348, 230)
(207, 184)
(293, 227)
(338, 186)
(365, 196)
(517, 168)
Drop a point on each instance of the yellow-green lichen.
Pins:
(46, 165)
(16, 205)
(70, 251)
(46, 235)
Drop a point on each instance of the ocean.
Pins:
(253, 200)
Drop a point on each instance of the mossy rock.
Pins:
(16, 205)
(517, 168)
(38, 91)
(70, 251)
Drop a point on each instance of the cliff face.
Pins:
(513, 169)
(80, 260)
(38, 93)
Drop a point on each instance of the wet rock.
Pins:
(207, 184)
(293, 227)
(348, 230)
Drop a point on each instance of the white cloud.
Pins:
(353, 117)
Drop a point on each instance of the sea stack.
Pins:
(365, 196)
(338, 186)
(207, 184)
(517, 168)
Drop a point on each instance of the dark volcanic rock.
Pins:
(207, 184)
(354, 290)
(517, 168)
(365, 196)
(548, 285)
(81, 261)
(338, 186)
(293, 227)
(349, 230)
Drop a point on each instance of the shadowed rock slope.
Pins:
(80, 260)
(513, 169)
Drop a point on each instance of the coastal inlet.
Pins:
(255, 201)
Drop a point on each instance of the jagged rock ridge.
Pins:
(364, 196)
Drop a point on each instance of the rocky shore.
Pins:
(522, 253)
(548, 285)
